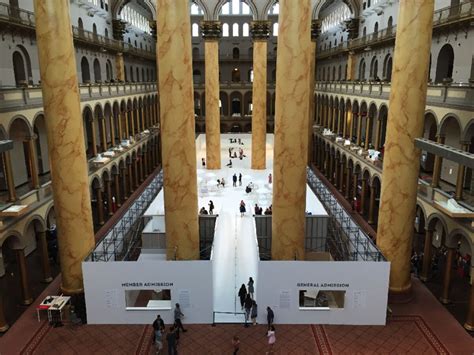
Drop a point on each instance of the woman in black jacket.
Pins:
(242, 295)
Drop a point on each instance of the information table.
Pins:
(53, 304)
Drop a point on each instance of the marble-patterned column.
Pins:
(348, 182)
(32, 161)
(260, 31)
(291, 136)
(469, 324)
(371, 216)
(378, 127)
(359, 130)
(211, 32)
(448, 271)
(177, 128)
(25, 285)
(100, 205)
(7, 166)
(437, 164)
(67, 153)
(405, 123)
(118, 198)
(125, 183)
(353, 117)
(425, 270)
(368, 128)
(363, 195)
(355, 185)
(120, 67)
(460, 176)
(351, 66)
(108, 191)
(3, 322)
(315, 26)
(43, 248)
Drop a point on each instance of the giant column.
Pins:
(291, 130)
(177, 129)
(66, 148)
(260, 32)
(120, 67)
(405, 123)
(211, 32)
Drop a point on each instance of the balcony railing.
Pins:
(26, 19)
(459, 95)
(13, 97)
(441, 17)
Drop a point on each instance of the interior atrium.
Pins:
(368, 105)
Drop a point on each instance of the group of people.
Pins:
(259, 210)
(211, 209)
(236, 140)
(235, 178)
(172, 335)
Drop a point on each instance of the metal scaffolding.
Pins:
(346, 240)
(119, 241)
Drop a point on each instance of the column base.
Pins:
(4, 328)
(469, 327)
(370, 222)
(444, 300)
(27, 302)
(403, 296)
(47, 280)
(70, 291)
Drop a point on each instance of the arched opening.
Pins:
(97, 71)
(23, 153)
(387, 68)
(224, 103)
(94, 30)
(90, 143)
(85, 71)
(197, 78)
(362, 70)
(19, 69)
(80, 25)
(42, 154)
(235, 30)
(451, 130)
(235, 53)
(427, 158)
(374, 68)
(225, 30)
(445, 64)
(195, 30)
(235, 75)
(236, 102)
(390, 24)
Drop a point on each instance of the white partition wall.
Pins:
(357, 291)
(186, 282)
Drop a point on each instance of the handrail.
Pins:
(442, 16)
(27, 18)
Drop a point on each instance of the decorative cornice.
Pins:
(315, 30)
(260, 30)
(211, 30)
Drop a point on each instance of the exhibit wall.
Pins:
(320, 292)
(135, 292)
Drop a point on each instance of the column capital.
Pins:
(352, 27)
(315, 30)
(260, 30)
(211, 30)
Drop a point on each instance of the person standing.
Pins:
(254, 313)
(235, 344)
(234, 180)
(177, 320)
(172, 343)
(159, 340)
(242, 208)
(270, 179)
(158, 323)
(248, 308)
(250, 287)
(270, 317)
(240, 179)
(271, 339)
(203, 160)
(211, 207)
(242, 295)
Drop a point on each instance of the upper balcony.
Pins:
(32, 96)
(19, 18)
(455, 95)
(463, 12)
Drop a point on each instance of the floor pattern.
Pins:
(403, 335)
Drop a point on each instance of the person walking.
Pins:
(240, 179)
(270, 179)
(159, 340)
(248, 308)
(270, 317)
(203, 160)
(177, 320)
(211, 207)
(234, 180)
(158, 323)
(242, 295)
(235, 344)
(172, 341)
(271, 339)
(242, 208)
(254, 313)
(250, 287)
